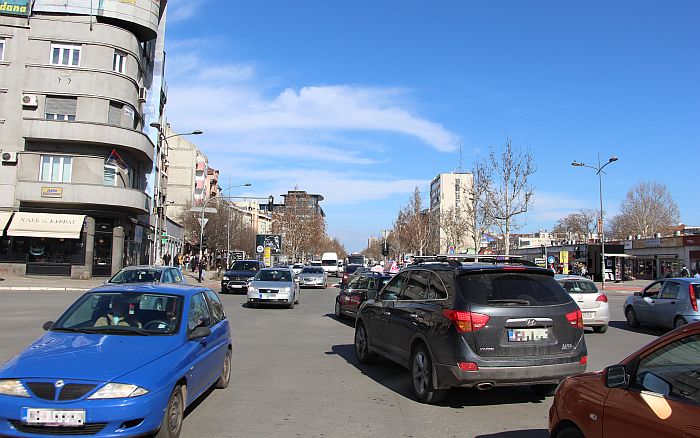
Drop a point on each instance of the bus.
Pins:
(356, 259)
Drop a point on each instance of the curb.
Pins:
(43, 289)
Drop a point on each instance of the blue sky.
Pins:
(363, 101)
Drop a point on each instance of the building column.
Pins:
(89, 243)
(117, 249)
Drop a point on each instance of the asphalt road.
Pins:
(295, 374)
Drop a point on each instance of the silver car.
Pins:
(669, 303)
(313, 276)
(274, 286)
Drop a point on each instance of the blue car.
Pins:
(121, 361)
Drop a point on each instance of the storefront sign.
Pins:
(652, 243)
(628, 244)
(691, 240)
(14, 7)
(52, 192)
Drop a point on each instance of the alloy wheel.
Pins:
(420, 373)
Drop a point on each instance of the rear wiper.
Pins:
(512, 301)
(116, 329)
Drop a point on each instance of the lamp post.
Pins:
(599, 172)
(158, 204)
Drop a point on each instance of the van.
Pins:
(329, 262)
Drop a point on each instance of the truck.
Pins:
(329, 262)
(356, 259)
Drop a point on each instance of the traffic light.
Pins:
(204, 240)
(270, 203)
(385, 248)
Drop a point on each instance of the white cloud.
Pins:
(180, 10)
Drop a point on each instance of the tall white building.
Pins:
(449, 194)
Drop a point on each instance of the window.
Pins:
(417, 286)
(217, 309)
(65, 54)
(61, 108)
(119, 62)
(671, 290)
(2, 49)
(672, 370)
(55, 168)
(654, 290)
(393, 289)
(510, 289)
(110, 175)
(198, 315)
(437, 288)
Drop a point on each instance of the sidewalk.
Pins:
(624, 287)
(63, 284)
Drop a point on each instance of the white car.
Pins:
(593, 303)
(297, 267)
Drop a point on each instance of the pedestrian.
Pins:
(202, 272)
(166, 259)
(176, 261)
(685, 272)
(697, 274)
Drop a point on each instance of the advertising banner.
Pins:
(14, 7)
(564, 260)
(272, 241)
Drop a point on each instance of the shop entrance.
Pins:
(102, 260)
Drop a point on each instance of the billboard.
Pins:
(14, 7)
(272, 241)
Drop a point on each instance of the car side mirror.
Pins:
(47, 325)
(198, 332)
(616, 376)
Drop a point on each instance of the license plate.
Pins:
(589, 314)
(267, 296)
(528, 335)
(55, 417)
(236, 286)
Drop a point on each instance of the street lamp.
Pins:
(201, 219)
(157, 187)
(599, 172)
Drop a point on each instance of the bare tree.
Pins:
(454, 227)
(510, 193)
(302, 227)
(578, 226)
(478, 219)
(412, 226)
(648, 209)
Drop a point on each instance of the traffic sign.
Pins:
(203, 222)
(259, 249)
(451, 250)
(551, 260)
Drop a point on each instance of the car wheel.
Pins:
(679, 322)
(291, 304)
(632, 320)
(546, 390)
(174, 413)
(600, 328)
(362, 346)
(569, 432)
(422, 377)
(338, 314)
(225, 376)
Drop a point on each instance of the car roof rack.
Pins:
(457, 259)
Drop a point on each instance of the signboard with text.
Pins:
(272, 241)
(52, 192)
(14, 7)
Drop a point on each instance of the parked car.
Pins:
(148, 274)
(236, 278)
(349, 271)
(111, 365)
(593, 303)
(313, 276)
(297, 267)
(274, 286)
(668, 303)
(474, 325)
(362, 287)
(654, 392)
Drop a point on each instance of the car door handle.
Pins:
(413, 316)
(673, 302)
(387, 313)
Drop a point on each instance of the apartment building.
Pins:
(449, 197)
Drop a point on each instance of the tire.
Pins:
(338, 313)
(362, 346)
(632, 320)
(422, 377)
(225, 377)
(174, 414)
(545, 390)
(679, 322)
(600, 328)
(569, 432)
(291, 305)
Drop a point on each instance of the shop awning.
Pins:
(58, 226)
(4, 219)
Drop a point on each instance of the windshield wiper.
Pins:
(511, 301)
(71, 329)
(118, 329)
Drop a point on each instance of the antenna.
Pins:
(459, 169)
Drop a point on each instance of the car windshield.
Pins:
(579, 286)
(136, 276)
(511, 289)
(130, 313)
(351, 268)
(312, 270)
(298, 266)
(273, 275)
(329, 262)
(245, 266)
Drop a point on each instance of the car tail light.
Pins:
(575, 318)
(602, 298)
(693, 297)
(466, 321)
(468, 366)
(583, 361)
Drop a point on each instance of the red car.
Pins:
(655, 392)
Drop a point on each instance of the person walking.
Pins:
(176, 261)
(685, 272)
(202, 272)
(166, 259)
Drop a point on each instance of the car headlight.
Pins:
(251, 289)
(13, 387)
(225, 278)
(287, 289)
(118, 390)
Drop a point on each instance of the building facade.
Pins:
(449, 198)
(74, 137)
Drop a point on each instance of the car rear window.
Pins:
(579, 286)
(511, 289)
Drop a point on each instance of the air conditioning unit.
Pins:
(142, 94)
(30, 100)
(8, 157)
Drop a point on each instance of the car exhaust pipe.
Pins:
(484, 386)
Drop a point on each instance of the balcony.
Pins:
(87, 196)
(90, 133)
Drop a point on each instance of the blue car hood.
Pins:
(87, 356)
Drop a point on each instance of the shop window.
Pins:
(55, 168)
(61, 108)
(65, 54)
(119, 62)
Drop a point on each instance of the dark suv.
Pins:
(236, 277)
(480, 325)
